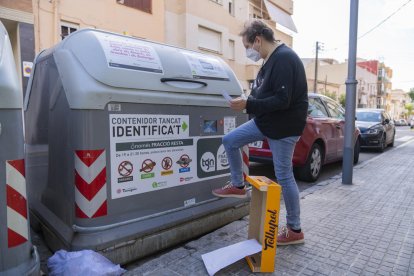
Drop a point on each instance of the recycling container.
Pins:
(124, 144)
(17, 255)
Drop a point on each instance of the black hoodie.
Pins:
(279, 98)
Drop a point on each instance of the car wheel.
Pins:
(383, 144)
(393, 140)
(357, 150)
(311, 170)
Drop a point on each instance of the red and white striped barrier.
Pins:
(90, 184)
(17, 224)
(245, 155)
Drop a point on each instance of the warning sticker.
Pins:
(153, 152)
(125, 169)
(129, 53)
(229, 124)
(204, 67)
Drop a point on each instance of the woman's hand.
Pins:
(238, 104)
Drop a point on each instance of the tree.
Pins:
(409, 108)
(411, 94)
(331, 95)
(342, 100)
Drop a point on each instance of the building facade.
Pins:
(210, 26)
(17, 17)
(55, 19)
(384, 81)
(213, 26)
(396, 102)
(332, 76)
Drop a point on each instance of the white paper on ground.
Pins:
(220, 258)
(226, 95)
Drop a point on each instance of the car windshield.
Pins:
(366, 116)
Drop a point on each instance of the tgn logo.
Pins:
(208, 162)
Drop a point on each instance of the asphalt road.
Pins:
(403, 134)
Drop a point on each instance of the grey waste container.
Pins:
(123, 142)
(17, 254)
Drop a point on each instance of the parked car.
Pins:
(377, 128)
(412, 123)
(400, 122)
(321, 143)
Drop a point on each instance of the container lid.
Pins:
(10, 91)
(120, 63)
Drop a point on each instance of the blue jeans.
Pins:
(282, 151)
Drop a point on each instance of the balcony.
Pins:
(286, 5)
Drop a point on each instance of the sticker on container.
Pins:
(114, 107)
(229, 124)
(212, 158)
(130, 53)
(189, 202)
(205, 67)
(151, 152)
(27, 68)
(222, 160)
(125, 169)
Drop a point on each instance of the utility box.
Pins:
(17, 255)
(124, 144)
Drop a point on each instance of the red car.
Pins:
(321, 143)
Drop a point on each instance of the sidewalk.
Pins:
(362, 229)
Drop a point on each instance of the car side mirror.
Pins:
(386, 121)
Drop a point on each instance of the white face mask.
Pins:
(253, 54)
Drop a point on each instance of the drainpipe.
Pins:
(56, 23)
(37, 26)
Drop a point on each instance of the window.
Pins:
(232, 50)
(142, 5)
(368, 116)
(209, 40)
(335, 109)
(231, 7)
(316, 108)
(66, 28)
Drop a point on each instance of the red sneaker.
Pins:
(286, 236)
(230, 191)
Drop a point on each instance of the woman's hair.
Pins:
(256, 27)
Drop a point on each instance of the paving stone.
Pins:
(362, 229)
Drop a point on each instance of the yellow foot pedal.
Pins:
(264, 222)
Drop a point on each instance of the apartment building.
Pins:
(398, 98)
(384, 82)
(332, 72)
(213, 26)
(55, 19)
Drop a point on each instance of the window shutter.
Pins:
(143, 5)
